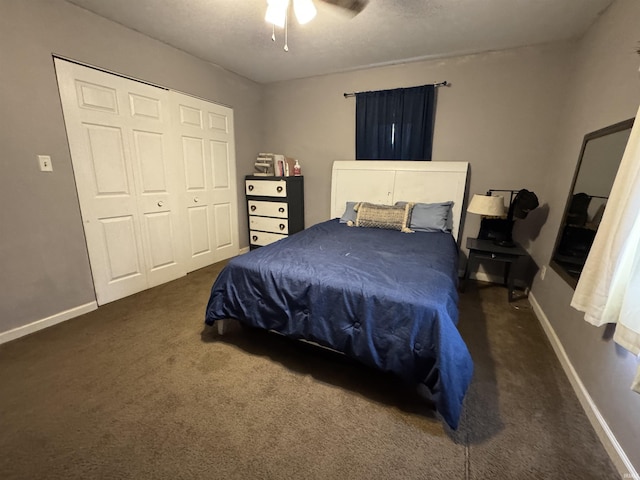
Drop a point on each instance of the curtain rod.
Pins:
(440, 84)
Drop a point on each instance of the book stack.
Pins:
(265, 165)
(270, 164)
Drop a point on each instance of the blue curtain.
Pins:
(395, 124)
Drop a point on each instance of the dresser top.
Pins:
(272, 177)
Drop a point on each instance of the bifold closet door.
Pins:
(127, 177)
(207, 152)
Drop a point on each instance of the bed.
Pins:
(383, 297)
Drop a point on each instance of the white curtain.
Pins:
(609, 287)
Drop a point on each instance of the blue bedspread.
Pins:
(385, 298)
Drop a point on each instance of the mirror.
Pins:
(598, 164)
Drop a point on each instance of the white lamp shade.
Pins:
(276, 12)
(489, 206)
(305, 10)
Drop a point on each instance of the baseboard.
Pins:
(243, 250)
(47, 322)
(606, 436)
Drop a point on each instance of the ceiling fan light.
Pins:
(276, 12)
(305, 10)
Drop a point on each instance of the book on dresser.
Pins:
(264, 166)
(275, 207)
(273, 164)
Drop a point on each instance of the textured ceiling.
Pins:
(234, 35)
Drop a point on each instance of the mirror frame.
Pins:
(617, 127)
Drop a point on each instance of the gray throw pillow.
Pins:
(349, 213)
(431, 217)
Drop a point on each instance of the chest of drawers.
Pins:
(275, 206)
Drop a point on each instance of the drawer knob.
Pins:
(279, 189)
(196, 199)
(250, 187)
(160, 203)
(253, 208)
(255, 238)
(282, 226)
(281, 209)
(493, 255)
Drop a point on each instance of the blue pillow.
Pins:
(431, 217)
(349, 213)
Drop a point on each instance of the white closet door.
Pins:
(128, 184)
(207, 150)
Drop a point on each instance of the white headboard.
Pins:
(388, 181)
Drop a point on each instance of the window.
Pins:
(395, 124)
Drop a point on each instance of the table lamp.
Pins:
(521, 202)
(493, 216)
(487, 205)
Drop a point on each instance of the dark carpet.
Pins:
(141, 389)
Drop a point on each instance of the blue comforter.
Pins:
(385, 298)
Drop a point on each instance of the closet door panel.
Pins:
(156, 179)
(145, 107)
(208, 154)
(119, 137)
(223, 171)
(199, 229)
(158, 198)
(95, 96)
(199, 226)
(194, 163)
(224, 225)
(161, 232)
(121, 244)
(150, 151)
(107, 165)
(220, 163)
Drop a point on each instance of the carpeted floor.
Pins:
(141, 389)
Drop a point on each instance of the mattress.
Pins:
(385, 298)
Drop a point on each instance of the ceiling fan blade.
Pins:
(353, 6)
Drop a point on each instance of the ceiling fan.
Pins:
(278, 12)
(353, 7)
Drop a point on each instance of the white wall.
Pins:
(604, 89)
(45, 269)
(500, 114)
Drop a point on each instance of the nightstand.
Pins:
(487, 250)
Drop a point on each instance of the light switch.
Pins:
(45, 163)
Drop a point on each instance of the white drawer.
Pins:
(266, 188)
(267, 224)
(264, 238)
(268, 209)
